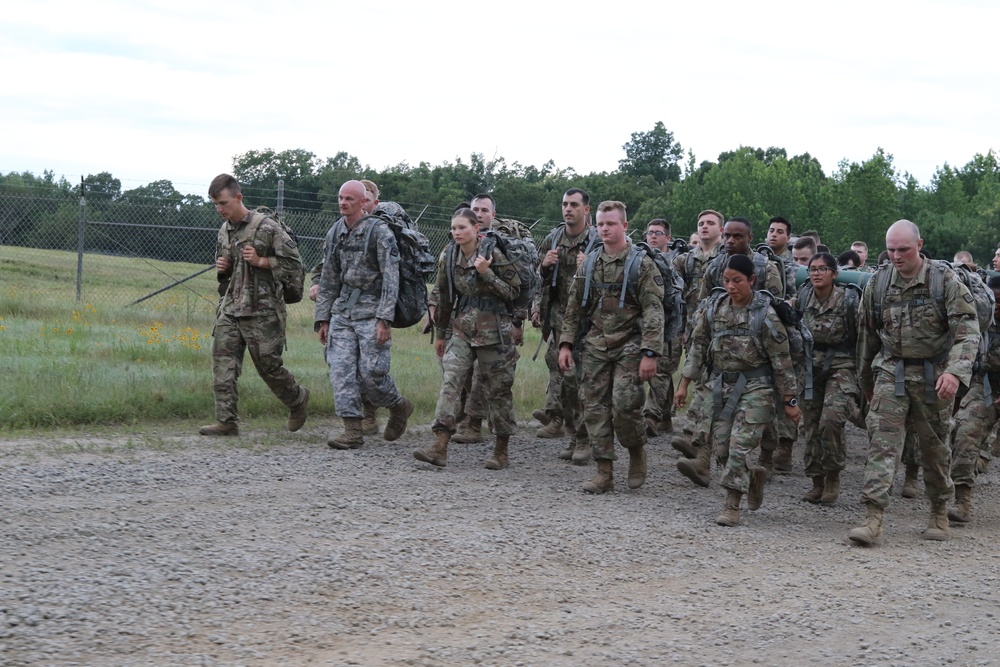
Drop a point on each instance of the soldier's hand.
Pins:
(324, 330)
(680, 397)
(551, 257)
(518, 335)
(251, 257)
(222, 264)
(428, 326)
(793, 413)
(313, 291)
(947, 386)
(483, 264)
(565, 359)
(383, 332)
(439, 347)
(536, 319)
(647, 369)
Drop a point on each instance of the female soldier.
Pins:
(739, 336)
(475, 309)
(830, 312)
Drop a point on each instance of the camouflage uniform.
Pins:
(251, 315)
(476, 321)
(660, 398)
(976, 418)
(691, 266)
(912, 340)
(741, 353)
(358, 286)
(836, 397)
(612, 395)
(562, 394)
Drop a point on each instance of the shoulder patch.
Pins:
(968, 298)
(509, 275)
(394, 251)
(291, 243)
(779, 337)
(658, 279)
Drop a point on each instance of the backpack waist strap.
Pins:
(930, 375)
(740, 378)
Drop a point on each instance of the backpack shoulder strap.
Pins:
(630, 277)
(852, 300)
(588, 272)
(882, 275)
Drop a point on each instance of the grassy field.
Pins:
(100, 362)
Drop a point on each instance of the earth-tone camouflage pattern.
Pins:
(742, 432)
(251, 316)
(836, 396)
(835, 401)
(912, 331)
(348, 264)
(712, 277)
(357, 363)
(479, 331)
(974, 421)
(612, 326)
(610, 389)
(562, 393)
(660, 397)
(691, 267)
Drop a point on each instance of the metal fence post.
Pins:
(281, 198)
(81, 225)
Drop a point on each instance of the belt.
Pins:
(725, 412)
(930, 375)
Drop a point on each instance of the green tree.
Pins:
(655, 153)
(862, 201)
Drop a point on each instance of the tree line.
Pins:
(958, 210)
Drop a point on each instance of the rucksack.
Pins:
(717, 266)
(514, 229)
(416, 264)
(800, 341)
(852, 299)
(673, 284)
(523, 257)
(293, 286)
(785, 268)
(393, 211)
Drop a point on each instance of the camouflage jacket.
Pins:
(828, 323)
(354, 283)
(990, 362)
(712, 278)
(253, 291)
(569, 247)
(917, 330)
(740, 351)
(477, 309)
(611, 326)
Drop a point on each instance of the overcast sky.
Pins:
(173, 89)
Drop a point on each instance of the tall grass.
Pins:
(97, 362)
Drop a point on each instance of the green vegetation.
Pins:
(67, 364)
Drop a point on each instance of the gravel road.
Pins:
(162, 548)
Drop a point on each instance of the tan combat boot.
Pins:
(636, 467)
(962, 511)
(698, 470)
(351, 438)
(399, 415)
(911, 483)
(541, 416)
(937, 527)
(783, 456)
(667, 424)
(554, 429)
(369, 424)
(605, 479)
(567, 454)
(436, 454)
(814, 494)
(297, 417)
(766, 461)
(499, 460)
(755, 492)
(469, 432)
(730, 515)
(220, 428)
(652, 427)
(870, 532)
(831, 488)
(581, 449)
(684, 444)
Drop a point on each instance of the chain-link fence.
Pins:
(160, 255)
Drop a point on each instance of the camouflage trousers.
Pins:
(970, 438)
(660, 397)
(612, 398)
(562, 395)
(699, 413)
(890, 420)
(358, 365)
(782, 428)
(264, 338)
(474, 394)
(835, 401)
(496, 364)
(742, 432)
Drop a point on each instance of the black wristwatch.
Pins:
(649, 353)
(792, 403)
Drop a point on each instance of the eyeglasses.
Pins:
(819, 269)
(655, 232)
